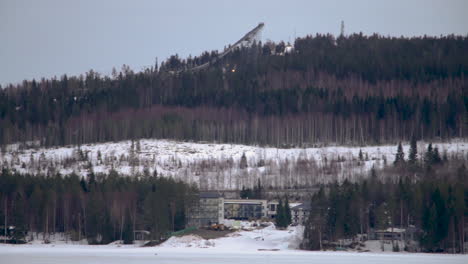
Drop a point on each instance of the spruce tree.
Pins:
(287, 213)
(462, 175)
(242, 193)
(399, 156)
(280, 217)
(413, 154)
(436, 158)
(243, 161)
(257, 191)
(429, 155)
(138, 146)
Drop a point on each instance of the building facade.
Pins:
(300, 213)
(213, 208)
(272, 209)
(208, 210)
(244, 209)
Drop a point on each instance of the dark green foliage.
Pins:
(399, 156)
(314, 231)
(246, 193)
(428, 156)
(105, 209)
(435, 205)
(413, 153)
(342, 218)
(283, 214)
(287, 212)
(256, 193)
(127, 232)
(243, 162)
(435, 221)
(355, 89)
(280, 216)
(436, 156)
(382, 218)
(432, 156)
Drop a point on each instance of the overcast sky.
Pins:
(51, 37)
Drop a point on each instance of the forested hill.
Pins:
(347, 90)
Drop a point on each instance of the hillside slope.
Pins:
(215, 166)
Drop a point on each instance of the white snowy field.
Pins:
(249, 245)
(42, 254)
(215, 166)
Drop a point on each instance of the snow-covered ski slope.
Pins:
(215, 166)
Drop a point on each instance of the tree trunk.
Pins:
(121, 228)
(6, 217)
(79, 226)
(401, 213)
(84, 220)
(55, 214)
(453, 236)
(320, 238)
(47, 224)
(65, 221)
(463, 235)
(134, 221)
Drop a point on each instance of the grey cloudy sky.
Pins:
(51, 37)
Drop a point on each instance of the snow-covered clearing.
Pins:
(215, 166)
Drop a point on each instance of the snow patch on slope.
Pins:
(213, 166)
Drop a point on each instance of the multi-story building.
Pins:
(212, 208)
(245, 208)
(272, 209)
(208, 210)
(300, 213)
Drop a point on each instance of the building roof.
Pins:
(210, 195)
(306, 206)
(146, 232)
(390, 230)
(244, 201)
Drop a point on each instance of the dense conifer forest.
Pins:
(352, 89)
(428, 195)
(101, 208)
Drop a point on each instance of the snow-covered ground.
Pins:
(214, 166)
(268, 238)
(57, 238)
(32, 254)
(249, 245)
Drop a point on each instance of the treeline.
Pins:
(428, 196)
(355, 90)
(100, 208)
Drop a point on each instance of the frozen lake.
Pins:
(115, 255)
